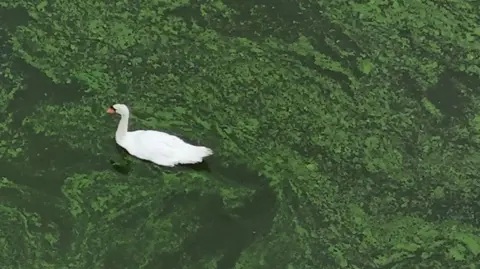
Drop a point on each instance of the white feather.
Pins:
(158, 147)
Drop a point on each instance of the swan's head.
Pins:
(119, 109)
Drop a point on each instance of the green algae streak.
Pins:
(346, 134)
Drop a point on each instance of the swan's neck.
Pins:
(122, 128)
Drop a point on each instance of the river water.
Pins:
(339, 142)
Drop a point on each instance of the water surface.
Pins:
(345, 135)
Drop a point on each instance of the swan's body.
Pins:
(158, 147)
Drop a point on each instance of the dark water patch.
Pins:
(452, 96)
(119, 256)
(20, 173)
(39, 89)
(451, 207)
(47, 207)
(36, 170)
(11, 18)
(449, 94)
(255, 221)
(222, 233)
(49, 162)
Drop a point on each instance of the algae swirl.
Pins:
(346, 134)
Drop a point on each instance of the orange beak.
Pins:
(111, 110)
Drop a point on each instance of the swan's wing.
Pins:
(155, 146)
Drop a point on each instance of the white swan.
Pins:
(158, 147)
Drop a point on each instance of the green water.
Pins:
(346, 134)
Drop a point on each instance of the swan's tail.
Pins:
(196, 154)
